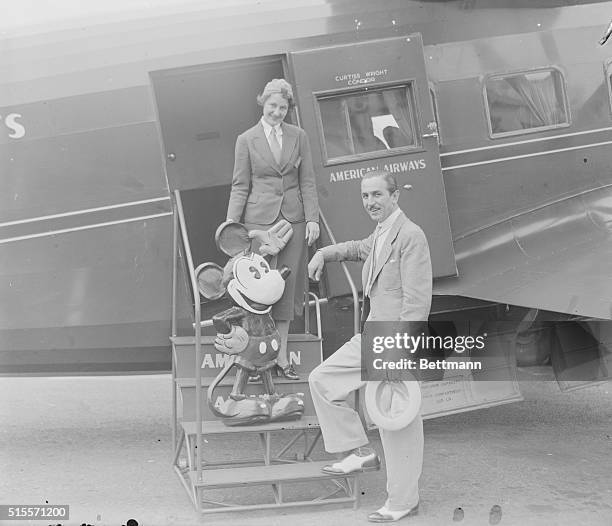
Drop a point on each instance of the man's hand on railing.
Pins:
(273, 240)
(315, 266)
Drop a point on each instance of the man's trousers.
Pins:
(331, 384)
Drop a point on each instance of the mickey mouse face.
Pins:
(256, 281)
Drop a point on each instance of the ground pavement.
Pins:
(103, 446)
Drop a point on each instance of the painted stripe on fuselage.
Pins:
(84, 219)
(83, 227)
(537, 139)
(524, 149)
(84, 211)
(503, 159)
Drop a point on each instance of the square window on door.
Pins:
(367, 123)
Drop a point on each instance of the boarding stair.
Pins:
(205, 449)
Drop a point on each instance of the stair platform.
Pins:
(304, 353)
(278, 442)
(332, 489)
(217, 427)
(283, 472)
(276, 473)
(289, 465)
(187, 395)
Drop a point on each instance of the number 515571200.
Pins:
(34, 511)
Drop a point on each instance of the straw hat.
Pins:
(393, 405)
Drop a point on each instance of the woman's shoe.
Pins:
(288, 372)
(254, 378)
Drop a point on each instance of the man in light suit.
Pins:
(397, 283)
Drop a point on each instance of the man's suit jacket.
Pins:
(402, 280)
(261, 188)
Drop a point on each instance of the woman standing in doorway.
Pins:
(273, 180)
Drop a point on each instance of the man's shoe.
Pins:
(357, 461)
(385, 515)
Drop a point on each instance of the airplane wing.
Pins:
(557, 258)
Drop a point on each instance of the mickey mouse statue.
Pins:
(246, 330)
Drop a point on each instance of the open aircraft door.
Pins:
(367, 106)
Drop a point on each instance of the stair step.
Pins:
(187, 396)
(229, 381)
(232, 477)
(304, 352)
(216, 427)
(190, 340)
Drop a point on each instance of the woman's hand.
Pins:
(312, 232)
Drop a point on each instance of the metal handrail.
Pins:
(356, 314)
(175, 230)
(198, 330)
(317, 306)
(180, 225)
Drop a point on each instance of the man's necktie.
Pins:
(275, 146)
(365, 310)
(368, 287)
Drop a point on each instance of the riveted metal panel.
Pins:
(102, 275)
(77, 171)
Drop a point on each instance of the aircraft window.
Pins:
(363, 123)
(523, 102)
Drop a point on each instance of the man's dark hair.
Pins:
(389, 178)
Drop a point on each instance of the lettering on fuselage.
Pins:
(358, 173)
(358, 79)
(15, 128)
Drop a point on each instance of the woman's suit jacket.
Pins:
(261, 188)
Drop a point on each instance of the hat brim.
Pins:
(410, 404)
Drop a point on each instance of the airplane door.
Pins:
(367, 106)
(202, 109)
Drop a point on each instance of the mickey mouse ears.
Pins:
(210, 281)
(232, 238)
